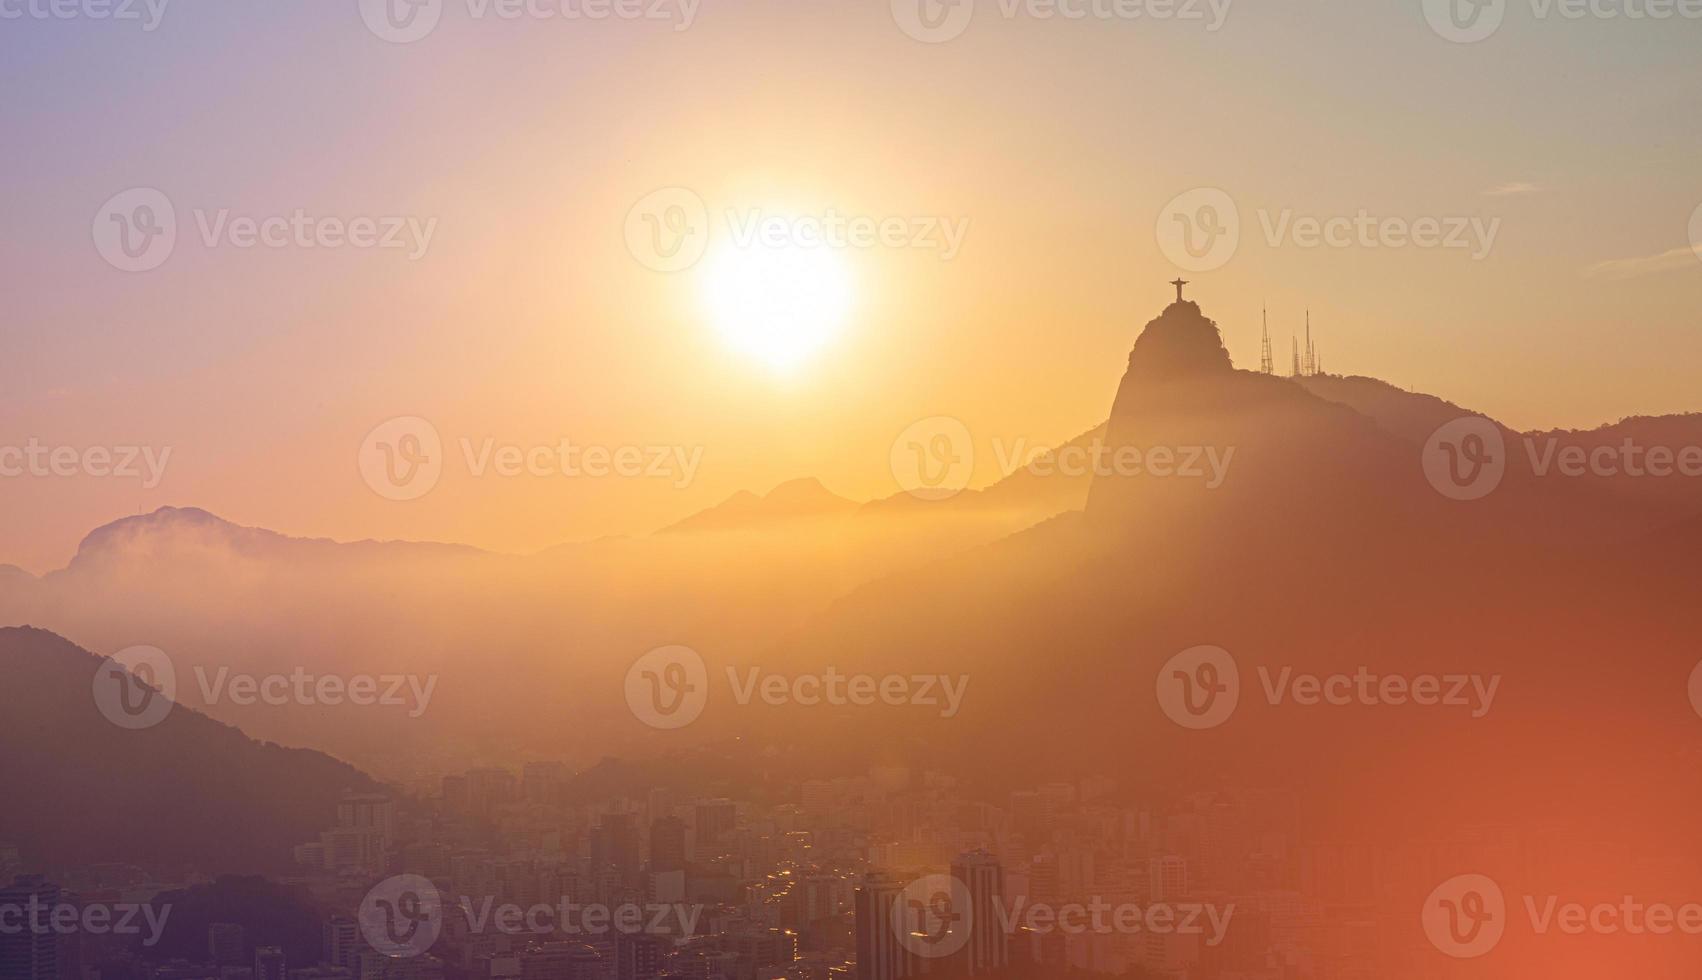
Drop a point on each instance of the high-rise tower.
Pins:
(880, 954)
(30, 950)
(983, 878)
(1311, 352)
(1266, 366)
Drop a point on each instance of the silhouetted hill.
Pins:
(189, 791)
(1324, 550)
(178, 533)
(1316, 539)
(1036, 490)
(1615, 503)
(1182, 342)
(1411, 415)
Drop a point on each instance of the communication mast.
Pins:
(1266, 365)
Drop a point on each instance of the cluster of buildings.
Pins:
(801, 882)
(893, 874)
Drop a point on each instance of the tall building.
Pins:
(880, 954)
(1031, 816)
(227, 943)
(457, 794)
(1167, 878)
(374, 813)
(812, 898)
(31, 952)
(715, 820)
(668, 844)
(269, 963)
(487, 789)
(639, 956)
(343, 943)
(983, 878)
(615, 845)
(541, 782)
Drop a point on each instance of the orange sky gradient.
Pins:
(1059, 143)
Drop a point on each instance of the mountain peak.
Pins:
(1181, 342)
(801, 498)
(164, 519)
(802, 490)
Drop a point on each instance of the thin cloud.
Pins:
(1512, 189)
(1617, 269)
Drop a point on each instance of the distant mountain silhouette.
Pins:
(81, 790)
(795, 500)
(1033, 492)
(176, 533)
(1325, 549)
(1061, 593)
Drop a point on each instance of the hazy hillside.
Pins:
(81, 790)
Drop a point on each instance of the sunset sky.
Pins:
(1059, 142)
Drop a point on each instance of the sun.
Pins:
(777, 304)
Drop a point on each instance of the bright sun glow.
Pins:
(778, 305)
